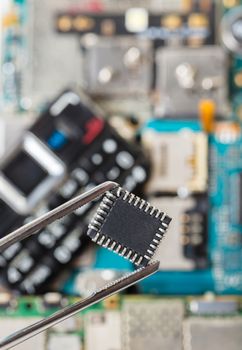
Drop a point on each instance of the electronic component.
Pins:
(195, 228)
(57, 34)
(198, 23)
(135, 322)
(183, 79)
(186, 247)
(53, 300)
(224, 196)
(174, 146)
(207, 113)
(117, 66)
(152, 325)
(126, 126)
(63, 342)
(136, 238)
(6, 301)
(210, 307)
(191, 28)
(213, 333)
(103, 325)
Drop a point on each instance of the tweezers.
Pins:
(116, 286)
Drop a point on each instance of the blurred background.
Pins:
(146, 93)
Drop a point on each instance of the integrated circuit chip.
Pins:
(212, 333)
(129, 226)
(152, 324)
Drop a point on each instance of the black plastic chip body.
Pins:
(128, 225)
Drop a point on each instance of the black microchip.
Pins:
(129, 226)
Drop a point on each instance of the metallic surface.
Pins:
(55, 214)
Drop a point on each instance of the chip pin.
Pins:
(99, 217)
(112, 245)
(101, 212)
(92, 227)
(131, 197)
(110, 195)
(142, 203)
(129, 254)
(97, 223)
(123, 251)
(118, 248)
(126, 194)
(119, 191)
(148, 206)
(152, 211)
(134, 257)
(139, 261)
(105, 206)
(106, 200)
(137, 201)
(101, 240)
(95, 238)
(105, 245)
(163, 217)
(158, 213)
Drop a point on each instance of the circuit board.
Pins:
(14, 43)
(145, 64)
(221, 267)
(225, 225)
(129, 322)
(167, 76)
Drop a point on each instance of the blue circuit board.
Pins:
(223, 275)
(225, 230)
(177, 282)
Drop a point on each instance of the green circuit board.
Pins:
(174, 323)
